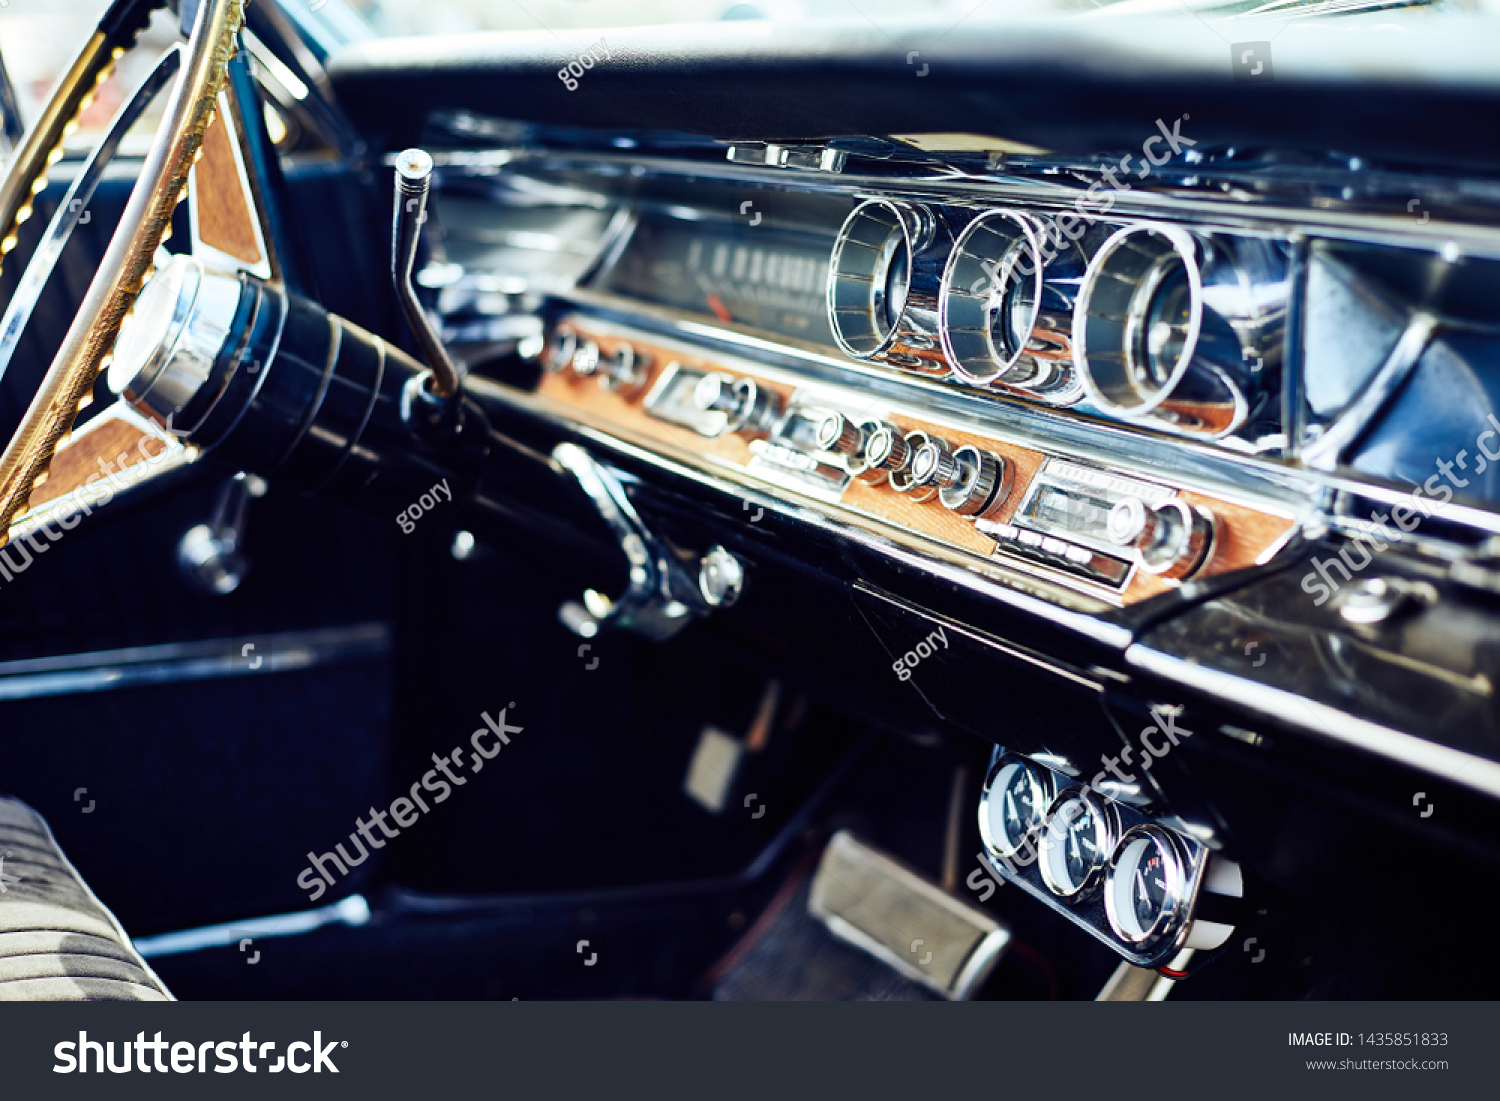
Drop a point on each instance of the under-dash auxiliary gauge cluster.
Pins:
(1145, 890)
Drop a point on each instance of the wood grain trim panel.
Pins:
(1242, 532)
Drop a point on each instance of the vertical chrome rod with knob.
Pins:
(413, 182)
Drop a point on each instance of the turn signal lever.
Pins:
(413, 182)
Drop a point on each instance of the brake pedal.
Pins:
(871, 901)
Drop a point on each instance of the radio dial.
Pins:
(1170, 540)
(886, 452)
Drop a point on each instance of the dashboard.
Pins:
(1131, 429)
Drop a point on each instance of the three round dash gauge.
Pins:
(1145, 888)
(1011, 808)
(1077, 837)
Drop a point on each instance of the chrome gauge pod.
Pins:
(1180, 330)
(883, 280)
(1145, 889)
(1077, 837)
(1011, 806)
(1004, 321)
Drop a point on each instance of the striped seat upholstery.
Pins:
(57, 940)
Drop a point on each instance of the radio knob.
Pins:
(560, 349)
(979, 484)
(749, 409)
(623, 371)
(914, 477)
(1170, 540)
(886, 452)
(586, 358)
(836, 433)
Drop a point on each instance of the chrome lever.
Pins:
(663, 596)
(212, 555)
(413, 182)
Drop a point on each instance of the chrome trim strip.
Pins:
(352, 911)
(953, 186)
(176, 662)
(1454, 765)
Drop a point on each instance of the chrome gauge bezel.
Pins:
(989, 365)
(1041, 794)
(1052, 848)
(1182, 249)
(1117, 880)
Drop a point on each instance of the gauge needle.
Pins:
(1073, 841)
(720, 310)
(1010, 805)
(1140, 881)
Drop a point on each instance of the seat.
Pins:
(58, 942)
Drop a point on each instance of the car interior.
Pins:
(748, 502)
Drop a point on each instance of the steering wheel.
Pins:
(146, 223)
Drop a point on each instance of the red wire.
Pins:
(1169, 973)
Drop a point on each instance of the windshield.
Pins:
(421, 17)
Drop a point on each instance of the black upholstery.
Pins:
(58, 942)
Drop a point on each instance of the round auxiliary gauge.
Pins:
(1010, 811)
(1076, 840)
(1145, 888)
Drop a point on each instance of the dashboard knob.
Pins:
(623, 371)
(586, 358)
(841, 436)
(715, 394)
(561, 346)
(934, 465)
(886, 452)
(749, 409)
(915, 478)
(721, 577)
(980, 486)
(1170, 540)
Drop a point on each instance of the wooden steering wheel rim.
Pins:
(145, 224)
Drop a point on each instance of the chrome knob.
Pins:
(561, 346)
(623, 371)
(912, 479)
(886, 451)
(721, 577)
(715, 394)
(981, 485)
(586, 358)
(838, 434)
(749, 409)
(1170, 540)
(935, 465)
